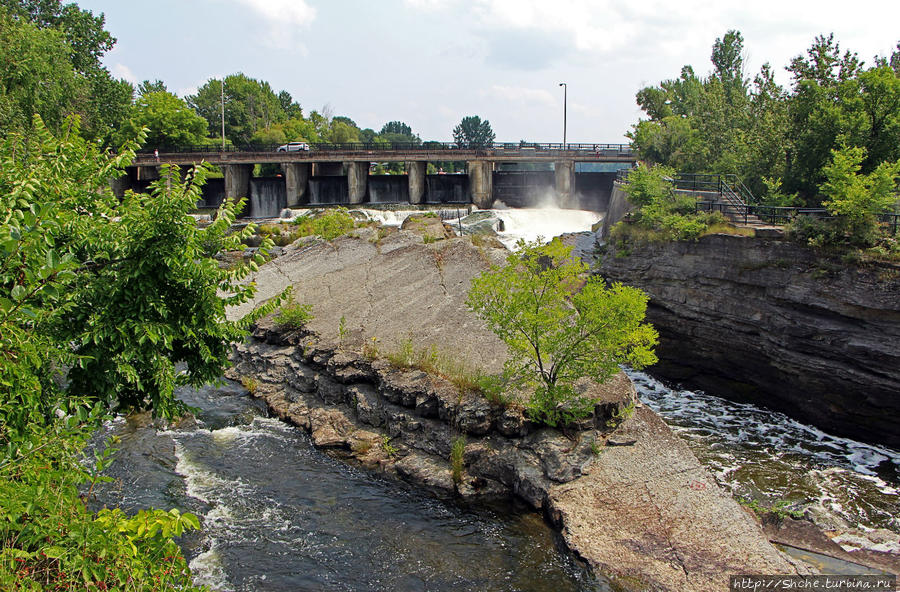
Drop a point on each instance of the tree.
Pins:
(58, 71)
(124, 299)
(473, 133)
(168, 119)
(858, 199)
(557, 333)
(147, 87)
(250, 105)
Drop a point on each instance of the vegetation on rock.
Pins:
(560, 325)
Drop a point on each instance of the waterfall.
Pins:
(267, 197)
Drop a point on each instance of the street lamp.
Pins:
(223, 113)
(565, 92)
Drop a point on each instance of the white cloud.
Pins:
(123, 71)
(429, 4)
(283, 17)
(286, 12)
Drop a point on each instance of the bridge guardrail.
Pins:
(619, 149)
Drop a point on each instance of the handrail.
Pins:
(527, 147)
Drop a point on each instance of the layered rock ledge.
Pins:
(628, 496)
(776, 324)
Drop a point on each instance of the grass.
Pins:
(432, 361)
(620, 416)
(456, 459)
(725, 228)
(329, 224)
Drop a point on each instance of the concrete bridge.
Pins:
(326, 169)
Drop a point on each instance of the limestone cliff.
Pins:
(773, 323)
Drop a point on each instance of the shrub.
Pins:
(329, 224)
(294, 315)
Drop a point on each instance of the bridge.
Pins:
(318, 176)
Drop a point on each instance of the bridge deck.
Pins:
(497, 153)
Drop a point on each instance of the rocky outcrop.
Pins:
(631, 500)
(627, 494)
(771, 322)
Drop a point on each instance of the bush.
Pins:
(329, 224)
(294, 315)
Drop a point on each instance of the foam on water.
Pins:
(768, 456)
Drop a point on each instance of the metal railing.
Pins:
(526, 147)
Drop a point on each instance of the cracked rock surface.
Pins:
(644, 512)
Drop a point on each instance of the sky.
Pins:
(430, 63)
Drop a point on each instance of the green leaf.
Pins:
(18, 293)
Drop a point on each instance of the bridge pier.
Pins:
(296, 178)
(357, 181)
(481, 183)
(417, 178)
(237, 180)
(565, 182)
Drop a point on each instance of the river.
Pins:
(280, 515)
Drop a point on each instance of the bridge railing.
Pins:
(618, 149)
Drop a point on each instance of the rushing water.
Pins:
(280, 515)
(766, 456)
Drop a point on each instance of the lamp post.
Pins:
(223, 113)
(565, 92)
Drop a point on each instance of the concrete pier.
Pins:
(237, 180)
(357, 181)
(481, 183)
(296, 178)
(565, 182)
(417, 178)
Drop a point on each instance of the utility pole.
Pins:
(565, 92)
(223, 114)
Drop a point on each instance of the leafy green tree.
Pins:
(147, 87)
(557, 333)
(126, 299)
(57, 71)
(168, 119)
(250, 105)
(35, 75)
(472, 132)
(858, 199)
(342, 133)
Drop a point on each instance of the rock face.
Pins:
(628, 496)
(770, 322)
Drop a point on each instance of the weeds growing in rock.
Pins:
(620, 416)
(436, 363)
(370, 349)
(250, 383)
(456, 458)
(388, 448)
(293, 314)
(342, 330)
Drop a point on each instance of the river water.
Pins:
(279, 515)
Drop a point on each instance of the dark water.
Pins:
(766, 456)
(280, 515)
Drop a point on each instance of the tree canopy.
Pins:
(560, 325)
(473, 132)
(769, 136)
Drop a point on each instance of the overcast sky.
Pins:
(432, 62)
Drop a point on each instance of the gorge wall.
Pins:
(776, 324)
